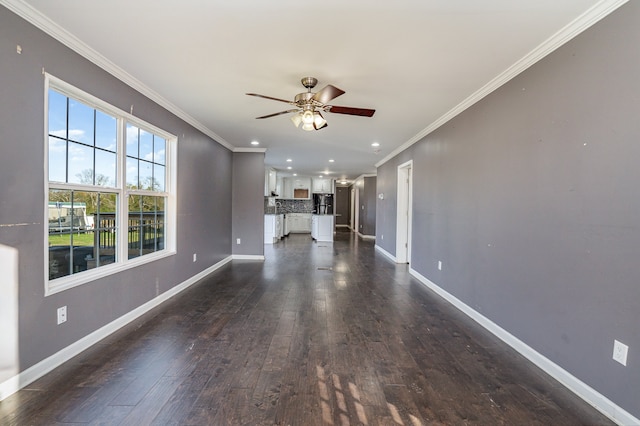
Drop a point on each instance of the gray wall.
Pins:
(248, 203)
(343, 211)
(203, 193)
(367, 207)
(531, 199)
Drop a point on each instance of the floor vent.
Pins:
(325, 268)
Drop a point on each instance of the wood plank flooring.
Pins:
(318, 334)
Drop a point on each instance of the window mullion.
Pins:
(123, 199)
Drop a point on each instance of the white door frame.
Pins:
(353, 208)
(404, 212)
(357, 210)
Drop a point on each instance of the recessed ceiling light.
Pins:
(375, 144)
(255, 143)
(331, 160)
(344, 182)
(295, 174)
(326, 173)
(289, 160)
(289, 168)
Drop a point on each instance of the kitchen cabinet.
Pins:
(322, 227)
(273, 228)
(296, 187)
(298, 222)
(270, 182)
(324, 186)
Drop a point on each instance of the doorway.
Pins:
(404, 208)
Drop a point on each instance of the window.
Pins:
(110, 202)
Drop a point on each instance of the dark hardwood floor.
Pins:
(318, 334)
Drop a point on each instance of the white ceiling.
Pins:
(413, 61)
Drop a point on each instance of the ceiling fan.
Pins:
(309, 106)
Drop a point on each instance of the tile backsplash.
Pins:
(288, 206)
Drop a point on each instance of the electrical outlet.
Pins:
(62, 315)
(382, 237)
(238, 241)
(439, 265)
(195, 257)
(620, 351)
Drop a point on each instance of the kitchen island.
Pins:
(322, 227)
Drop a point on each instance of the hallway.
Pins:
(318, 334)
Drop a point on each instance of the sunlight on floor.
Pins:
(334, 394)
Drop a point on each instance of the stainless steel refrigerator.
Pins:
(323, 203)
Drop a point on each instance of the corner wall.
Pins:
(530, 199)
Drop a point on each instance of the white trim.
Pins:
(247, 257)
(564, 35)
(249, 149)
(386, 253)
(575, 385)
(38, 370)
(404, 211)
(342, 226)
(33, 16)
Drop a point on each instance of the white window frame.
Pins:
(170, 219)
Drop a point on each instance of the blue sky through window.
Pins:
(82, 143)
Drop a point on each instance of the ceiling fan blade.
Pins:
(272, 98)
(328, 93)
(351, 111)
(278, 113)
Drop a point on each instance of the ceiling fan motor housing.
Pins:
(309, 82)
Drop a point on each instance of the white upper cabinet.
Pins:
(296, 187)
(270, 181)
(321, 185)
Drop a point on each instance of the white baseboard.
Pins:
(28, 376)
(247, 257)
(386, 253)
(575, 385)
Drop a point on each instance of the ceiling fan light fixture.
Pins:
(297, 119)
(308, 126)
(307, 116)
(318, 121)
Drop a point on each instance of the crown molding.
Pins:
(241, 149)
(570, 31)
(40, 21)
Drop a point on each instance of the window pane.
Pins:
(80, 164)
(132, 173)
(132, 141)
(159, 148)
(105, 227)
(80, 122)
(158, 177)
(57, 114)
(146, 175)
(146, 225)
(106, 131)
(105, 168)
(146, 146)
(57, 160)
(72, 242)
(135, 226)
